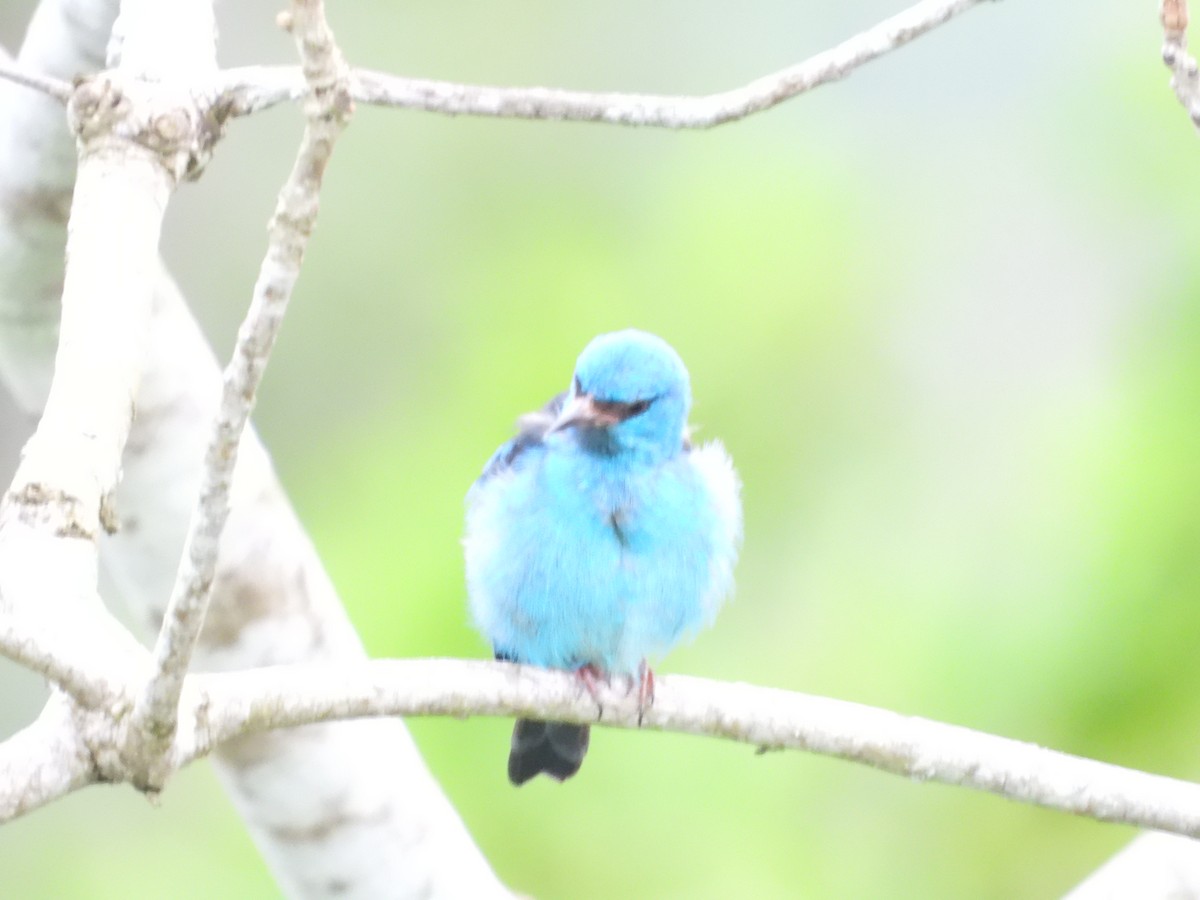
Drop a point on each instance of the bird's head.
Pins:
(630, 394)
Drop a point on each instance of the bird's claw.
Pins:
(591, 676)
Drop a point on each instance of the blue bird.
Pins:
(599, 537)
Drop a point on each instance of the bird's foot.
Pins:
(645, 689)
(591, 676)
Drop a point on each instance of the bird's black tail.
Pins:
(556, 748)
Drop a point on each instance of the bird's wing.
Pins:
(531, 428)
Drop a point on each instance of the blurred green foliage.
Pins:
(944, 317)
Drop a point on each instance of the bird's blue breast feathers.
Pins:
(599, 536)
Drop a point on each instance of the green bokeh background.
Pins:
(942, 314)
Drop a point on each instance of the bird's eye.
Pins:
(578, 389)
(638, 407)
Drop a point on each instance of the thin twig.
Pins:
(54, 87)
(252, 89)
(1185, 76)
(43, 651)
(327, 110)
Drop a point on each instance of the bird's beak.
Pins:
(582, 410)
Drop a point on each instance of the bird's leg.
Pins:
(591, 675)
(645, 686)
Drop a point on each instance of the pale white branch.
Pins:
(232, 703)
(327, 110)
(43, 762)
(251, 89)
(161, 41)
(245, 90)
(37, 177)
(223, 707)
(52, 87)
(360, 785)
(71, 464)
(58, 655)
(1185, 75)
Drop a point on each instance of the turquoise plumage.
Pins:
(598, 537)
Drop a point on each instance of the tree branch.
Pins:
(52, 87)
(251, 89)
(217, 708)
(43, 761)
(234, 703)
(71, 464)
(69, 659)
(316, 800)
(328, 111)
(137, 136)
(37, 178)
